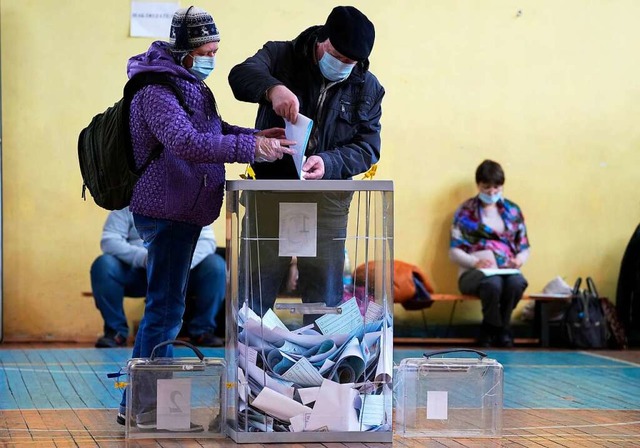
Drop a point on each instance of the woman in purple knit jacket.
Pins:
(182, 190)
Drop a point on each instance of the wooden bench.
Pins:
(540, 320)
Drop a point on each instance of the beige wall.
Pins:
(551, 92)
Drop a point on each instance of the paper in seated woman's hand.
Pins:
(272, 133)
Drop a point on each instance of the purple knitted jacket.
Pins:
(186, 183)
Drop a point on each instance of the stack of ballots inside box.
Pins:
(335, 375)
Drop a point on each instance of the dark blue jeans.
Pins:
(170, 246)
(112, 280)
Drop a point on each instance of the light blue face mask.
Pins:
(333, 69)
(490, 198)
(202, 66)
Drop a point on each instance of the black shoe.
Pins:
(207, 340)
(506, 339)
(111, 341)
(485, 340)
(487, 335)
(121, 419)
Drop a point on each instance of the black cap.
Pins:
(350, 32)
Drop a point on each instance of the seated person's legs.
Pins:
(489, 289)
(206, 291)
(513, 288)
(111, 280)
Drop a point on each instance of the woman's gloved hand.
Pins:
(272, 149)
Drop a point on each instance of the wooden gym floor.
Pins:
(59, 396)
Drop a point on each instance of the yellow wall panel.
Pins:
(549, 89)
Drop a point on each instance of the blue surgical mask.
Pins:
(202, 66)
(333, 69)
(490, 198)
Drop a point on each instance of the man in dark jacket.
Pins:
(322, 74)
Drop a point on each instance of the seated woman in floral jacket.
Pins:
(489, 232)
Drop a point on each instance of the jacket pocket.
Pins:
(202, 186)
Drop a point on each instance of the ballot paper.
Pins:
(372, 411)
(493, 269)
(346, 321)
(278, 405)
(300, 133)
(505, 271)
(334, 408)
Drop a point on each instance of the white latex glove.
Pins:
(272, 149)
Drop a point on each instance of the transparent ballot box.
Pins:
(449, 397)
(175, 397)
(309, 311)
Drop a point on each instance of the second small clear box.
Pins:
(449, 397)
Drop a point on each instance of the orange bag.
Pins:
(404, 286)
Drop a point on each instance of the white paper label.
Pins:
(298, 230)
(174, 404)
(437, 405)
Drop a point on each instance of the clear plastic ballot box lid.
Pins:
(442, 396)
(309, 344)
(175, 397)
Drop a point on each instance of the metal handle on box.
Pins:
(309, 308)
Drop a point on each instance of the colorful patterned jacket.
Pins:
(471, 235)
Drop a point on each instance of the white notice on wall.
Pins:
(152, 19)
(174, 404)
(298, 229)
(437, 405)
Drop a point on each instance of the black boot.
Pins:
(487, 335)
(505, 338)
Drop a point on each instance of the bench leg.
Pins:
(453, 311)
(541, 322)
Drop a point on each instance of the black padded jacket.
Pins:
(346, 119)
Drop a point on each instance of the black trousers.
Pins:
(499, 294)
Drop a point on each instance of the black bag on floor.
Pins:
(584, 325)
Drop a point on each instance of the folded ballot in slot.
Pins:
(309, 352)
(176, 397)
(449, 397)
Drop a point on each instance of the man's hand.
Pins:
(313, 168)
(284, 102)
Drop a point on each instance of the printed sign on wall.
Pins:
(152, 19)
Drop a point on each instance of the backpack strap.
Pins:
(130, 89)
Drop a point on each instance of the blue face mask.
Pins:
(202, 66)
(490, 198)
(333, 69)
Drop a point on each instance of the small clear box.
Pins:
(449, 397)
(178, 397)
